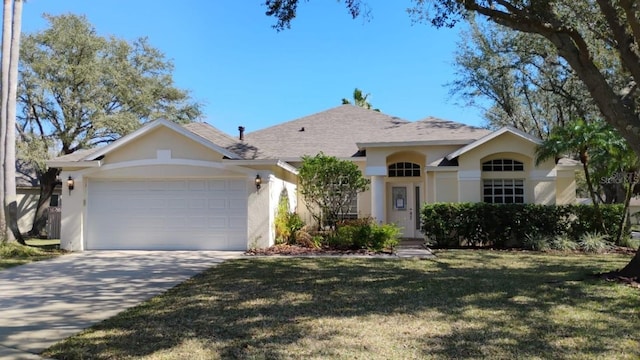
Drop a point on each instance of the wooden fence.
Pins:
(54, 221)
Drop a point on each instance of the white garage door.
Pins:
(167, 215)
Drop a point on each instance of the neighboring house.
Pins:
(193, 187)
(27, 195)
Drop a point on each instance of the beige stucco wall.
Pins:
(73, 205)
(277, 188)
(364, 198)
(445, 187)
(146, 146)
(565, 187)
(27, 200)
(539, 181)
(383, 156)
(258, 223)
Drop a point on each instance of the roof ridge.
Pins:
(351, 107)
(210, 127)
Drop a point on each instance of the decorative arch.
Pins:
(405, 164)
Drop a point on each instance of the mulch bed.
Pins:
(296, 250)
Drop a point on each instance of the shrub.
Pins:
(563, 243)
(364, 234)
(537, 243)
(280, 221)
(287, 224)
(385, 236)
(343, 238)
(304, 238)
(594, 243)
(630, 242)
(507, 225)
(294, 224)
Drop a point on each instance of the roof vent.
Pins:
(241, 130)
(301, 129)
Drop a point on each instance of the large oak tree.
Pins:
(79, 90)
(566, 24)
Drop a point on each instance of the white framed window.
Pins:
(404, 169)
(503, 165)
(352, 212)
(503, 191)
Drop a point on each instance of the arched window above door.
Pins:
(503, 165)
(404, 169)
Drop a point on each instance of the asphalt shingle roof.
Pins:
(334, 132)
(431, 128)
(337, 130)
(242, 148)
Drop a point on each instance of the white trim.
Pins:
(153, 125)
(543, 175)
(432, 168)
(375, 171)
(467, 175)
(261, 162)
(411, 143)
(378, 201)
(299, 159)
(183, 162)
(74, 164)
(493, 135)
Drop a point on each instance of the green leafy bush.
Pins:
(364, 233)
(286, 223)
(451, 225)
(385, 236)
(280, 221)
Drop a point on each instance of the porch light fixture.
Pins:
(258, 181)
(70, 184)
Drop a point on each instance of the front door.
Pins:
(404, 208)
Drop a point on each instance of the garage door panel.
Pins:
(236, 222)
(216, 204)
(167, 215)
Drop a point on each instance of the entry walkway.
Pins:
(413, 248)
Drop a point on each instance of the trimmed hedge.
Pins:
(508, 225)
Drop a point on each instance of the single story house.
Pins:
(193, 187)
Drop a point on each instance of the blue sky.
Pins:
(245, 73)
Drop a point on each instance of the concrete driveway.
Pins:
(47, 301)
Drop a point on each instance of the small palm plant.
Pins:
(594, 243)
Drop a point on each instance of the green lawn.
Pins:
(13, 254)
(465, 304)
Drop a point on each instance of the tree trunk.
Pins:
(594, 199)
(625, 213)
(48, 182)
(10, 198)
(632, 270)
(4, 70)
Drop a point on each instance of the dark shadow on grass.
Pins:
(252, 308)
